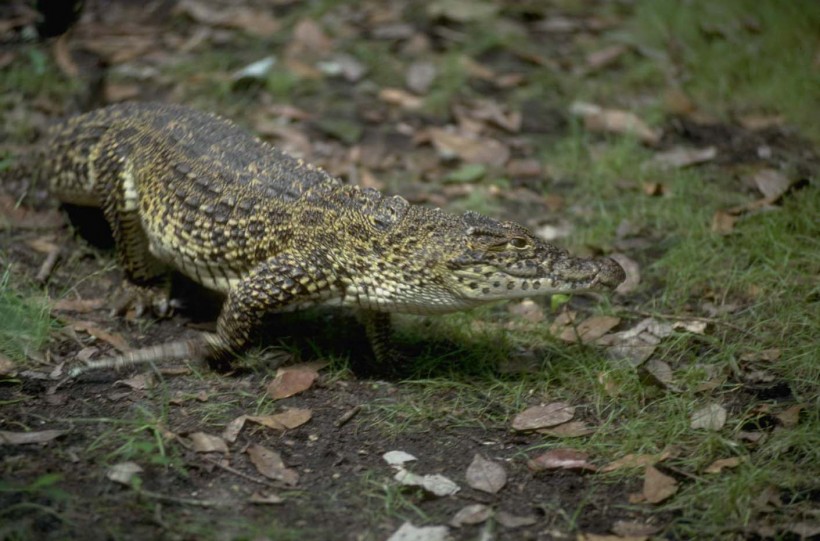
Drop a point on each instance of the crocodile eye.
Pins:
(518, 243)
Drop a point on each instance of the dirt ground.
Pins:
(154, 418)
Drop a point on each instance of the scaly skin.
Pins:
(189, 191)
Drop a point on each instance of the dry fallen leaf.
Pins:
(679, 157)
(469, 148)
(256, 22)
(607, 537)
(207, 443)
(571, 429)
(590, 329)
(115, 339)
(420, 76)
(269, 463)
(712, 417)
(658, 373)
(435, 484)
(632, 461)
(288, 419)
(528, 310)
(791, 416)
(607, 56)
(232, 429)
(292, 380)
(22, 438)
(510, 521)
(401, 98)
(139, 382)
(771, 183)
(123, 472)
(628, 529)
(265, 499)
(409, 532)
(398, 458)
(486, 475)
(657, 486)
(6, 365)
(471, 514)
(723, 222)
(78, 305)
(598, 119)
(536, 417)
(718, 465)
(561, 459)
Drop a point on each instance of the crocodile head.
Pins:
(503, 260)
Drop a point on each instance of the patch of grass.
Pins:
(739, 56)
(141, 439)
(25, 323)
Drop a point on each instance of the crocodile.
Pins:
(189, 191)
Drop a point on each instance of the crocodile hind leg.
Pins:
(281, 284)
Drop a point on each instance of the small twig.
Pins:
(48, 265)
(347, 416)
(243, 475)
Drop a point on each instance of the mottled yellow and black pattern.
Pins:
(190, 191)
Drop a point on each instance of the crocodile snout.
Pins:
(610, 273)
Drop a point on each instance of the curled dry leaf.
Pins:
(270, 464)
(292, 380)
(712, 417)
(22, 438)
(561, 459)
(543, 416)
(598, 119)
(486, 475)
(657, 486)
(207, 443)
(471, 514)
(719, 465)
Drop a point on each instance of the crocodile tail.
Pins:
(196, 348)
